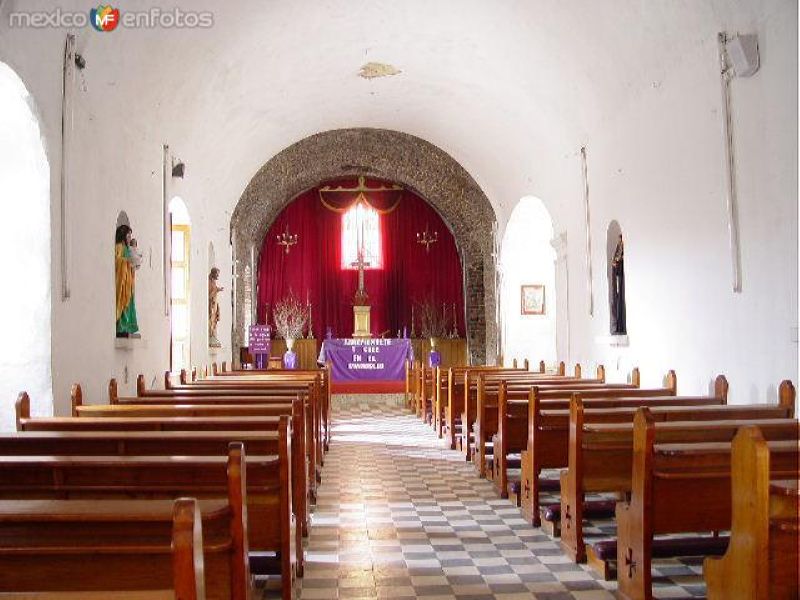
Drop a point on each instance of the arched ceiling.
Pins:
(506, 88)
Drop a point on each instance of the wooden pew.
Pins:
(548, 434)
(485, 423)
(762, 557)
(114, 549)
(304, 457)
(248, 375)
(307, 384)
(451, 399)
(263, 507)
(601, 455)
(96, 440)
(677, 488)
(514, 415)
(486, 415)
(473, 390)
(160, 477)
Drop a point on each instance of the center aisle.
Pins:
(398, 516)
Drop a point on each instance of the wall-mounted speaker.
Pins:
(743, 54)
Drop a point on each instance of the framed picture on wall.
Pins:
(532, 299)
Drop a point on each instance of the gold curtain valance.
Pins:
(382, 199)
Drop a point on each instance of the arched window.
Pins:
(528, 287)
(180, 306)
(25, 305)
(361, 228)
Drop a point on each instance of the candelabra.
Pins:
(425, 238)
(454, 333)
(286, 239)
(310, 334)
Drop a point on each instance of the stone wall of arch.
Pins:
(384, 154)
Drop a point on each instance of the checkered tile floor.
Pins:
(400, 517)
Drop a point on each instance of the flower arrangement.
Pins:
(432, 321)
(290, 317)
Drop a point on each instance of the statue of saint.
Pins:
(213, 308)
(618, 326)
(125, 279)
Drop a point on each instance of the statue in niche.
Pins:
(213, 308)
(618, 326)
(126, 260)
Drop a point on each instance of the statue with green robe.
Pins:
(125, 279)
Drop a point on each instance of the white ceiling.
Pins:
(505, 87)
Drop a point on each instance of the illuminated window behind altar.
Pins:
(361, 221)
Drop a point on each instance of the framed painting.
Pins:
(532, 299)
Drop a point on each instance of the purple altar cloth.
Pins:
(366, 359)
(289, 360)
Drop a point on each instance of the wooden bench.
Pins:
(677, 488)
(116, 549)
(448, 391)
(486, 415)
(446, 385)
(322, 376)
(514, 419)
(264, 393)
(486, 420)
(451, 399)
(271, 492)
(762, 557)
(252, 520)
(475, 385)
(548, 434)
(304, 456)
(97, 441)
(307, 385)
(601, 456)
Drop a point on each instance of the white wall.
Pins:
(25, 248)
(528, 258)
(511, 91)
(657, 168)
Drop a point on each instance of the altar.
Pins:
(366, 359)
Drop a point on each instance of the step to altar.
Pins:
(367, 402)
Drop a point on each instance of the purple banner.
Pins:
(259, 340)
(366, 359)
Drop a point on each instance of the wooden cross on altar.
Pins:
(360, 264)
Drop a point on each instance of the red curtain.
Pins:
(312, 267)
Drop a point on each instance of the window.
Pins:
(361, 228)
(180, 233)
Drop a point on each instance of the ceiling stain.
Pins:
(371, 70)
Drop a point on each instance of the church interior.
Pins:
(444, 300)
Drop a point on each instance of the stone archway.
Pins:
(382, 154)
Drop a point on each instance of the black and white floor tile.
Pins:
(400, 517)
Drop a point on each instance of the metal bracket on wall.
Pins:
(585, 175)
(67, 124)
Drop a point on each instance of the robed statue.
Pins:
(618, 326)
(213, 308)
(126, 258)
